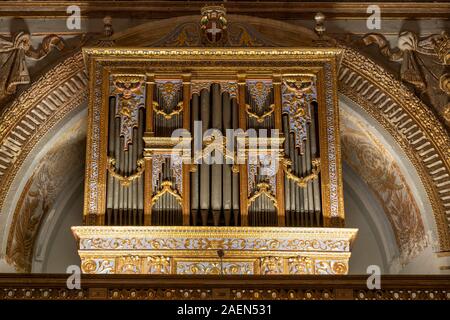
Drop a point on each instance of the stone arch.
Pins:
(412, 125)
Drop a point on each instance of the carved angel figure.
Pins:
(13, 66)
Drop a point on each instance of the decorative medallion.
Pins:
(213, 24)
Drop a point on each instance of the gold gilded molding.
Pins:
(220, 287)
(194, 250)
(204, 61)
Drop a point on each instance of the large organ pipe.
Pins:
(205, 190)
(216, 169)
(314, 154)
(140, 182)
(117, 147)
(303, 173)
(226, 168)
(135, 182)
(287, 190)
(308, 189)
(195, 192)
(129, 189)
(294, 188)
(235, 177)
(110, 193)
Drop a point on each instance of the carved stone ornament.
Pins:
(424, 64)
(13, 64)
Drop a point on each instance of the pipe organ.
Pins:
(205, 161)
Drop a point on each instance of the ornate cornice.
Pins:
(194, 250)
(280, 10)
(411, 123)
(164, 287)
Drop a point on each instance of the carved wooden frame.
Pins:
(224, 64)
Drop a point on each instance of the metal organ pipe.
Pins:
(195, 191)
(216, 169)
(226, 168)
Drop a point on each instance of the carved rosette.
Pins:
(311, 265)
(98, 265)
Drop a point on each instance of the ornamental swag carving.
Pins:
(13, 59)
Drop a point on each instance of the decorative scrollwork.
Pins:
(260, 118)
(301, 182)
(167, 188)
(263, 188)
(125, 180)
(297, 95)
(129, 90)
(169, 90)
(177, 110)
(211, 143)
